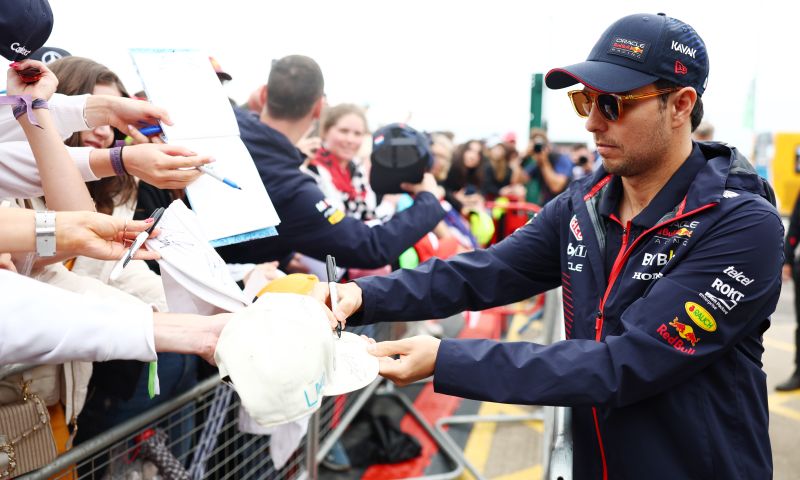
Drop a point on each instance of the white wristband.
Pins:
(46, 234)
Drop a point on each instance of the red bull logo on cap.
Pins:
(685, 331)
(700, 316)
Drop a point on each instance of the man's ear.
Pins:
(316, 112)
(262, 97)
(683, 104)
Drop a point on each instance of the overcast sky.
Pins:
(461, 66)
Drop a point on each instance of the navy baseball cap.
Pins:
(396, 138)
(638, 50)
(24, 27)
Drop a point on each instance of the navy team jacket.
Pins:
(664, 319)
(309, 224)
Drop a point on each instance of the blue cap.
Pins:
(638, 50)
(24, 27)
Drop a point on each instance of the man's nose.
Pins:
(595, 122)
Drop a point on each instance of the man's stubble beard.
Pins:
(643, 157)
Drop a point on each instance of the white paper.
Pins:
(184, 83)
(284, 438)
(245, 210)
(195, 273)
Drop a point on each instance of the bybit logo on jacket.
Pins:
(20, 49)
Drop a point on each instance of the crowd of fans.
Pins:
(72, 147)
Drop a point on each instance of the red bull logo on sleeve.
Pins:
(682, 339)
(700, 316)
(685, 331)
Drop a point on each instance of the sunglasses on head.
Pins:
(609, 104)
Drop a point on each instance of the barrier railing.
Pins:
(233, 454)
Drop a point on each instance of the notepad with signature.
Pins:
(184, 83)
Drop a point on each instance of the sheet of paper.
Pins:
(284, 438)
(184, 83)
(191, 262)
(245, 210)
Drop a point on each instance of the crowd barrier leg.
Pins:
(556, 439)
(448, 450)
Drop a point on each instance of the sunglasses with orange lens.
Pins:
(609, 104)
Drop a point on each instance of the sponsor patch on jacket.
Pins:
(626, 47)
(332, 214)
(729, 194)
(677, 341)
(685, 331)
(700, 316)
(575, 228)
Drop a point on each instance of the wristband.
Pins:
(116, 161)
(23, 104)
(45, 233)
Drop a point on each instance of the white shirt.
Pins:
(19, 175)
(45, 324)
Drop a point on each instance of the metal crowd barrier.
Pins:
(238, 455)
(556, 444)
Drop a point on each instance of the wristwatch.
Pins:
(45, 233)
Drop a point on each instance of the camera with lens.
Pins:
(583, 160)
(538, 147)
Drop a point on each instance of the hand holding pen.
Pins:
(330, 267)
(137, 244)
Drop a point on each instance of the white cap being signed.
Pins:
(281, 357)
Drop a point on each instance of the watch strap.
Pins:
(45, 233)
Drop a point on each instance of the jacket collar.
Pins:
(257, 133)
(672, 194)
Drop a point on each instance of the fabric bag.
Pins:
(26, 439)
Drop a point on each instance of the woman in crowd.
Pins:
(343, 129)
(118, 389)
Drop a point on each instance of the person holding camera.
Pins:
(544, 173)
(584, 161)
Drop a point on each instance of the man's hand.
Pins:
(164, 166)
(428, 184)
(787, 273)
(98, 236)
(417, 358)
(349, 295)
(120, 112)
(44, 88)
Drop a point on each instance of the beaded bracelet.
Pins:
(116, 161)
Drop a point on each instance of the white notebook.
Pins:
(184, 83)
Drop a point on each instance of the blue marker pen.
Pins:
(219, 177)
(150, 130)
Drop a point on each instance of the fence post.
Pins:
(312, 446)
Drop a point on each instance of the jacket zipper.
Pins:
(619, 262)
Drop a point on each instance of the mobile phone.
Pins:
(30, 74)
